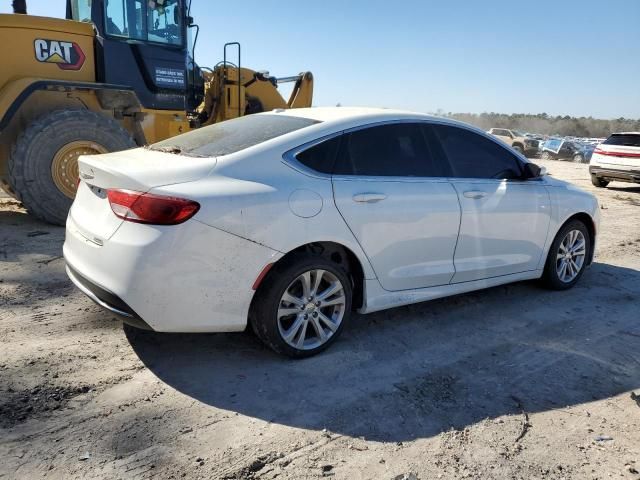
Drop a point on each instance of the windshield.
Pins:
(232, 136)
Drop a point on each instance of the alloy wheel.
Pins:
(311, 309)
(571, 256)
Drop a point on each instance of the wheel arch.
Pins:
(588, 221)
(26, 100)
(337, 253)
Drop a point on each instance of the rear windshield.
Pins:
(623, 139)
(232, 136)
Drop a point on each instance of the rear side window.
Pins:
(623, 140)
(320, 157)
(396, 150)
(473, 156)
(232, 136)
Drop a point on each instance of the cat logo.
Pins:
(67, 55)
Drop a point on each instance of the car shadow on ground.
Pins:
(627, 188)
(415, 371)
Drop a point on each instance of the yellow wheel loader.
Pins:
(114, 75)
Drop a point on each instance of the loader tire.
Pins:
(43, 166)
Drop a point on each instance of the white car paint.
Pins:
(257, 205)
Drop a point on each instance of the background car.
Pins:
(287, 221)
(616, 159)
(517, 140)
(561, 149)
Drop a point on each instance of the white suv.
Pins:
(617, 158)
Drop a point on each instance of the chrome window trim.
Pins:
(289, 157)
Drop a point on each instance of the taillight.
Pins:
(616, 154)
(152, 209)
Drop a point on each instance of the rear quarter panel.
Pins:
(266, 201)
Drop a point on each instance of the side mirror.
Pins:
(531, 170)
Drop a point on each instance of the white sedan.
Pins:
(289, 220)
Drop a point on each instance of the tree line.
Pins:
(547, 124)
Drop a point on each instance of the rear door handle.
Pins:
(475, 194)
(369, 197)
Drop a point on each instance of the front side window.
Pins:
(231, 136)
(474, 156)
(157, 21)
(397, 150)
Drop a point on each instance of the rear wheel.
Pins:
(568, 256)
(302, 306)
(578, 158)
(43, 167)
(598, 182)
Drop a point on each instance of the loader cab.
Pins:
(143, 44)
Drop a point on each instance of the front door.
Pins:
(505, 219)
(398, 203)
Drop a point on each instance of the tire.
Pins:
(578, 158)
(599, 182)
(518, 149)
(545, 156)
(271, 324)
(551, 277)
(43, 161)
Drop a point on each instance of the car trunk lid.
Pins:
(138, 170)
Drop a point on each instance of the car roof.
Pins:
(336, 116)
(329, 114)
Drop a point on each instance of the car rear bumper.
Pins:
(106, 300)
(630, 175)
(185, 278)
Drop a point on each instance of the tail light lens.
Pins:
(152, 209)
(616, 154)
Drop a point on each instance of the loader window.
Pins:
(232, 136)
(81, 10)
(157, 21)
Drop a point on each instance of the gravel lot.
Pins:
(511, 382)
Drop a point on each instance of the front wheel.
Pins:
(578, 158)
(568, 256)
(545, 156)
(518, 149)
(302, 306)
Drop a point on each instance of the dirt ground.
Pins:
(514, 382)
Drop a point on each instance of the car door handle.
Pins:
(369, 197)
(475, 194)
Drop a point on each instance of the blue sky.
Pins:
(575, 57)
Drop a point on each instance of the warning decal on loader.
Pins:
(67, 55)
(169, 77)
